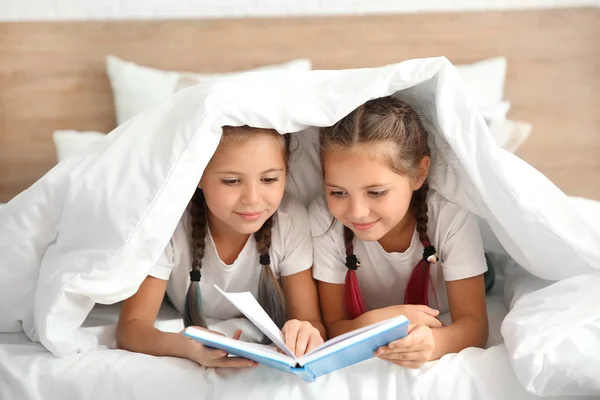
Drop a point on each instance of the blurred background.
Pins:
(71, 71)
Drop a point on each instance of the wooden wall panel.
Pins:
(52, 74)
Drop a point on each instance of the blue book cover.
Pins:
(339, 352)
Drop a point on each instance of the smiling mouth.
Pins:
(250, 216)
(364, 226)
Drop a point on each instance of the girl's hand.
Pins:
(416, 314)
(411, 351)
(209, 357)
(301, 337)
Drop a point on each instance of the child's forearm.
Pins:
(469, 331)
(141, 337)
(319, 325)
(346, 325)
(340, 327)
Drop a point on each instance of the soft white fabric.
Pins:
(549, 327)
(70, 142)
(495, 112)
(92, 228)
(383, 276)
(108, 373)
(508, 134)
(588, 209)
(290, 252)
(484, 82)
(137, 88)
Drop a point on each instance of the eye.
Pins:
(268, 181)
(230, 182)
(377, 193)
(337, 193)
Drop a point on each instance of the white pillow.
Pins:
(137, 88)
(70, 142)
(510, 135)
(496, 111)
(484, 81)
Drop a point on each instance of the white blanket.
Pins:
(90, 230)
(108, 373)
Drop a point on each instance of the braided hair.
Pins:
(387, 120)
(270, 293)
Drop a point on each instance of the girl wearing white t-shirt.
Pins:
(241, 233)
(386, 245)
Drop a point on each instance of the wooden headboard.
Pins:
(52, 75)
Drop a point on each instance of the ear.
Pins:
(423, 172)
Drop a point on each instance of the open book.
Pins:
(339, 352)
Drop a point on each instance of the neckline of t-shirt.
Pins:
(405, 255)
(222, 265)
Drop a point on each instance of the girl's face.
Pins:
(364, 194)
(244, 181)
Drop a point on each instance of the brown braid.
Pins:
(348, 238)
(270, 294)
(419, 207)
(417, 288)
(193, 305)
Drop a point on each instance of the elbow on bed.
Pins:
(484, 334)
(123, 337)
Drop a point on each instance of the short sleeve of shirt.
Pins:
(329, 255)
(462, 253)
(163, 267)
(295, 235)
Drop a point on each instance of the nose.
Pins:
(358, 209)
(250, 195)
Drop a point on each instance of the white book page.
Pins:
(255, 348)
(345, 336)
(248, 305)
(350, 338)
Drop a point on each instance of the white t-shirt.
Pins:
(290, 252)
(383, 276)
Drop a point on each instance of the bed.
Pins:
(552, 83)
(34, 373)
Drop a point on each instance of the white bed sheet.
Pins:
(29, 371)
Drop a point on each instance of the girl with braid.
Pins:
(394, 246)
(241, 233)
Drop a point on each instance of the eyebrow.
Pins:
(376, 185)
(241, 173)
